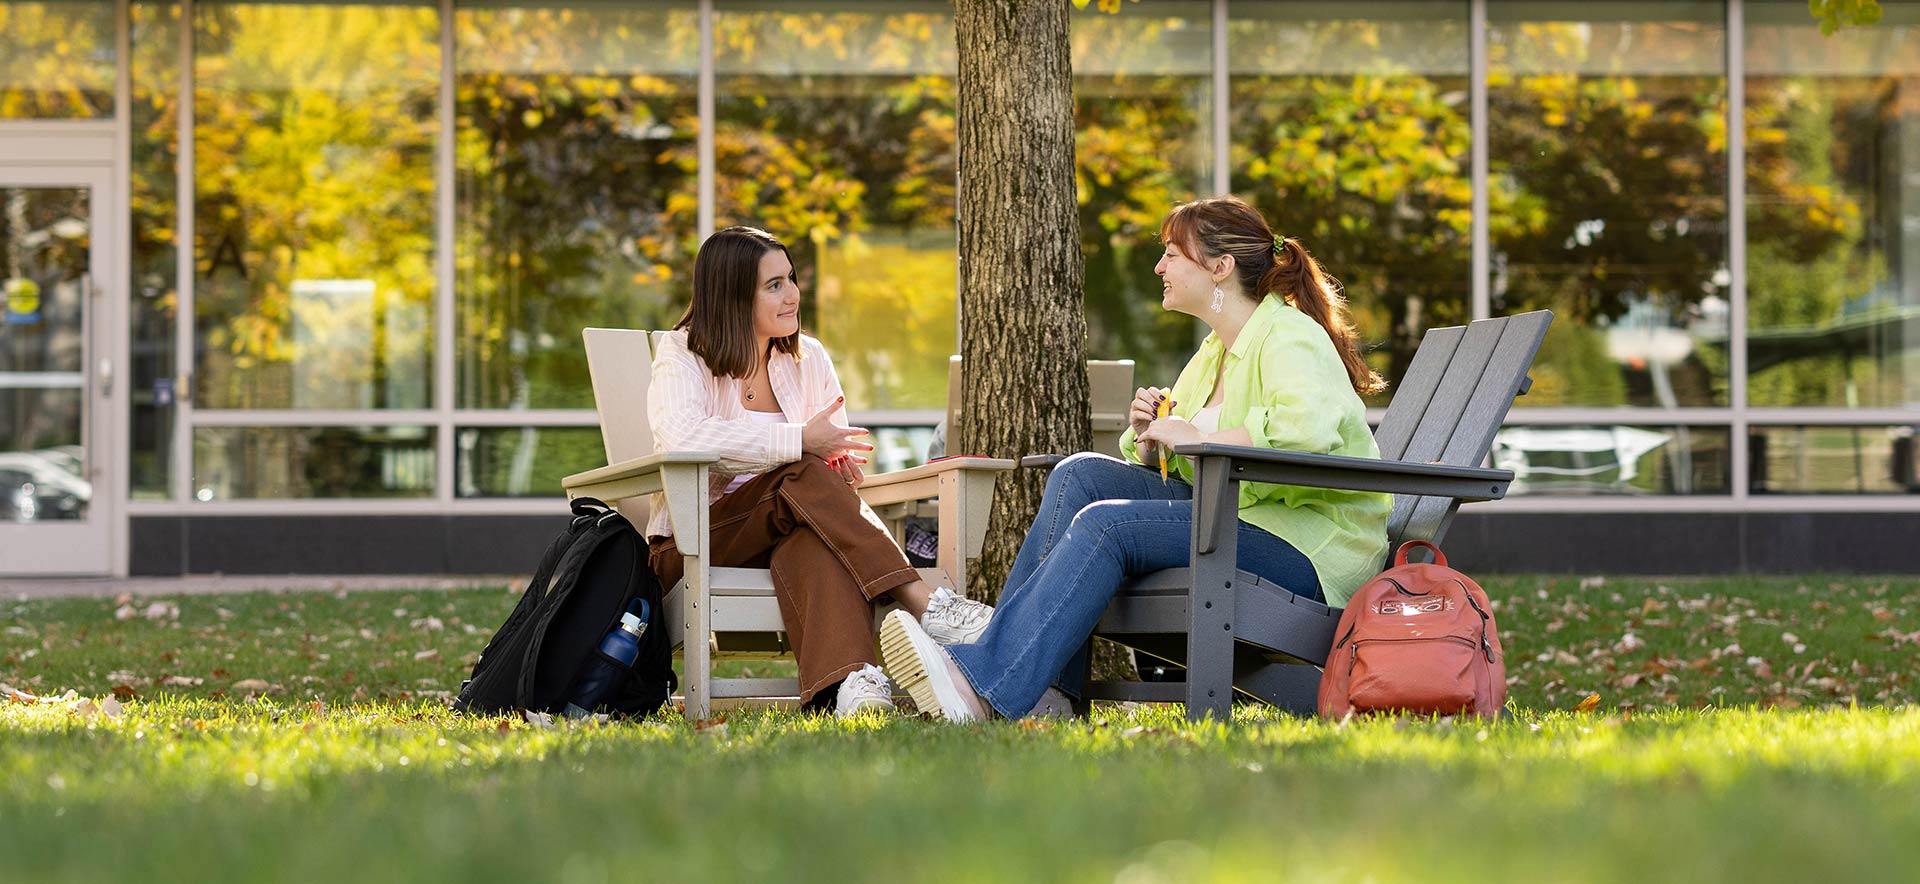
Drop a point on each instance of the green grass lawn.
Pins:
(1745, 730)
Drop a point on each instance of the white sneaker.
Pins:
(954, 619)
(866, 689)
(1053, 704)
(926, 671)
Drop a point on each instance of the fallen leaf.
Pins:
(428, 623)
(715, 726)
(252, 686)
(162, 611)
(182, 681)
(428, 654)
(125, 691)
(125, 612)
(111, 708)
(539, 719)
(84, 707)
(1589, 704)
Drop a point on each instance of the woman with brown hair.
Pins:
(737, 377)
(1282, 368)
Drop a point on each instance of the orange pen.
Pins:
(1160, 411)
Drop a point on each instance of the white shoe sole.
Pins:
(918, 665)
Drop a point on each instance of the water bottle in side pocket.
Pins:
(606, 670)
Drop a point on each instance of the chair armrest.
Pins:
(631, 472)
(963, 487)
(1041, 461)
(1253, 464)
(923, 481)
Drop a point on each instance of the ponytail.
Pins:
(1270, 264)
(1299, 278)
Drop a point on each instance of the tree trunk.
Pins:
(1023, 329)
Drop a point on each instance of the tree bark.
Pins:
(1023, 328)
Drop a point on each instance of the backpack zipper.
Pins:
(1354, 657)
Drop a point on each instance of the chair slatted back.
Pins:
(1454, 398)
(620, 363)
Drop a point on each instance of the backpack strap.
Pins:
(1400, 558)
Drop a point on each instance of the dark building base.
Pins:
(169, 545)
(1556, 543)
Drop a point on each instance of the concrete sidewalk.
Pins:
(24, 588)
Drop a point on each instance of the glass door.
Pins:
(55, 507)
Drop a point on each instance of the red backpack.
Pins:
(1418, 638)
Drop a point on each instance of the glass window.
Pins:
(287, 463)
(314, 130)
(1143, 117)
(1833, 209)
(1614, 460)
(154, 296)
(576, 165)
(1607, 152)
(1833, 460)
(46, 248)
(1351, 130)
(523, 461)
(834, 130)
(56, 60)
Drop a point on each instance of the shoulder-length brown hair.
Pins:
(726, 279)
(1267, 263)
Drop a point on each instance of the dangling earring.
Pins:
(1219, 298)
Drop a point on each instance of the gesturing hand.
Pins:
(824, 439)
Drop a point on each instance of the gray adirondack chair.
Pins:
(1236, 632)
(732, 611)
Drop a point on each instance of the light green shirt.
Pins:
(1288, 387)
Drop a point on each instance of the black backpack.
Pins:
(588, 577)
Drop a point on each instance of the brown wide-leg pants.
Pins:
(830, 557)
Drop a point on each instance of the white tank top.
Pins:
(1207, 420)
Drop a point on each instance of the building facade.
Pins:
(298, 286)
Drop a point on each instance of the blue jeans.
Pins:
(1102, 520)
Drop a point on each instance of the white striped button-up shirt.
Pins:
(692, 410)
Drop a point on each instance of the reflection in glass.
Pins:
(576, 184)
(314, 128)
(45, 255)
(1615, 460)
(272, 463)
(1833, 460)
(1143, 111)
(56, 60)
(1351, 131)
(835, 131)
(522, 461)
(1833, 210)
(153, 296)
(1607, 152)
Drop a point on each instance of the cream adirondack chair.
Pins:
(1109, 394)
(727, 610)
